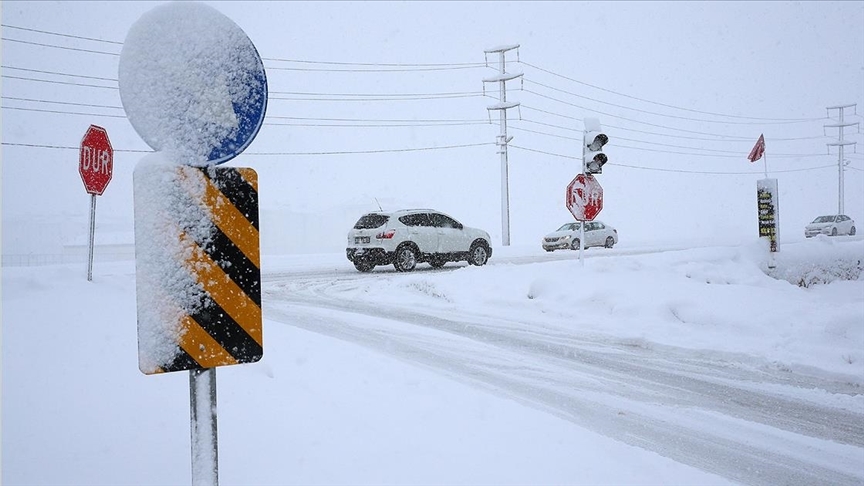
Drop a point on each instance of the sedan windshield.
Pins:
(569, 227)
(824, 219)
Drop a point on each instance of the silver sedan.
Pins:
(597, 233)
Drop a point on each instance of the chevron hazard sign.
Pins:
(198, 266)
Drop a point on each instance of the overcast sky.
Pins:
(682, 88)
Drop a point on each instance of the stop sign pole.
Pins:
(96, 167)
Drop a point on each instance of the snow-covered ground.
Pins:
(354, 390)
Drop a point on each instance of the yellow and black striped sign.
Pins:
(205, 270)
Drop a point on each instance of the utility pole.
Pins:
(502, 139)
(840, 143)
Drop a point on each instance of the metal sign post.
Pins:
(92, 237)
(205, 447)
(581, 242)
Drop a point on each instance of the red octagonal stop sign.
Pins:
(584, 197)
(96, 160)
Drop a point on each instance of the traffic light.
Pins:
(594, 158)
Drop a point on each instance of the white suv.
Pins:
(408, 237)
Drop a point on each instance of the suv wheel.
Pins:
(405, 259)
(478, 255)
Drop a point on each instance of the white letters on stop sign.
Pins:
(95, 160)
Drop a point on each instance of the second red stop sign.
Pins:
(584, 198)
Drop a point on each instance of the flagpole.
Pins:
(765, 159)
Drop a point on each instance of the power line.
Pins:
(736, 152)
(619, 117)
(345, 152)
(276, 59)
(319, 97)
(384, 69)
(68, 83)
(775, 156)
(294, 93)
(805, 169)
(337, 122)
(715, 137)
(376, 125)
(307, 93)
(33, 100)
(381, 98)
(763, 120)
(547, 134)
(6, 39)
(381, 120)
(37, 110)
(369, 97)
(672, 170)
(65, 147)
(397, 97)
(369, 123)
(380, 64)
(360, 124)
(301, 94)
(58, 74)
(7, 26)
(409, 67)
(365, 70)
(629, 96)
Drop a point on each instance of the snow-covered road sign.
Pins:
(96, 160)
(584, 198)
(197, 267)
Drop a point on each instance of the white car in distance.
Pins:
(407, 237)
(566, 237)
(831, 225)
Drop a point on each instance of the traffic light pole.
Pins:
(582, 223)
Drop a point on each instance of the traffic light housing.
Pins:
(594, 158)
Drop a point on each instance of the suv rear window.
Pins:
(369, 221)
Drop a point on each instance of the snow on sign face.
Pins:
(192, 83)
(197, 266)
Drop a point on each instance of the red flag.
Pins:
(758, 149)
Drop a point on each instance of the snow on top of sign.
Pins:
(167, 221)
(183, 68)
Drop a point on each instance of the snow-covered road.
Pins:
(736, 415)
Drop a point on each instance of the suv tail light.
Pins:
(385, 235)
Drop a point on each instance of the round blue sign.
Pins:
(192, 83)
